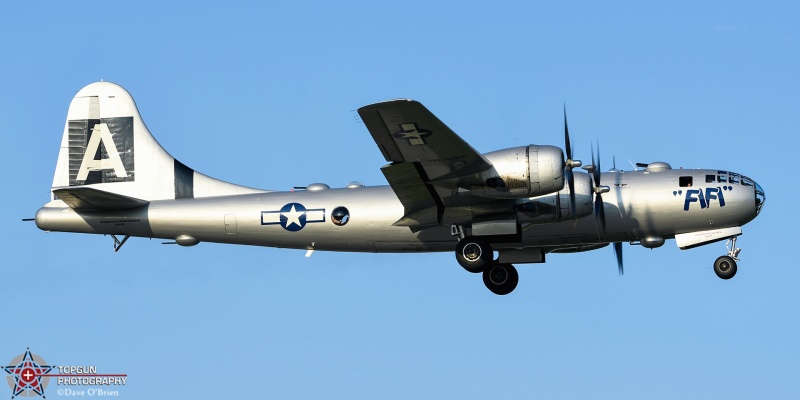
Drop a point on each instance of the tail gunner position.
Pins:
(510, 206)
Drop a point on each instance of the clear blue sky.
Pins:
(265, 96)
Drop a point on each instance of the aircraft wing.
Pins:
(430, 163)
(88, 199)
(405, 131)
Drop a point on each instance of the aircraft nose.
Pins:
(761, 197)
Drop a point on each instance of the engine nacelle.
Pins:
(556, 207)
(527, 171)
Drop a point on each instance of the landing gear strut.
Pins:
(725, 266)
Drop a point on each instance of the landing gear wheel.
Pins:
(725, 267)
(501, 279)
(474, 254)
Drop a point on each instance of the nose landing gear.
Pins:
(725, 266)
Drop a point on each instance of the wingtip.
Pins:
(383, 104)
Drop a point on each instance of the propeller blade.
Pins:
(599, 209)
(618, 253)
(600, 216)
(597, 168)
(593, 168)
(568, 168)
(567, 146)
(571, 184)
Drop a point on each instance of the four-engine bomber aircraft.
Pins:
(112, 177)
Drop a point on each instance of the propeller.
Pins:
(618, 245)
(569, 164)
(599, 208)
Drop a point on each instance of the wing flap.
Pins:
(421, 204)
(88, 199)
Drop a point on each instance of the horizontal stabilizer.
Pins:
(88, 199)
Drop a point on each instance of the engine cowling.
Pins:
(556, 206)
(527, 171)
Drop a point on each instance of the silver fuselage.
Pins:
(639, 204)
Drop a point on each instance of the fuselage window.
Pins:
(340, 216)
(685, 181)
(710, 178)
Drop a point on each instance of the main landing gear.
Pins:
(501, 279)
(725, 266)
(475, 255)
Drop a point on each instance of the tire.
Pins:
(501, 279)
(474, 254)
(725, 267)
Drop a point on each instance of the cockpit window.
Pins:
(722, 177)
(685, 181)
(747, 181)
(711, 178)
(735, 178)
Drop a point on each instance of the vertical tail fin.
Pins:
(107, 146)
